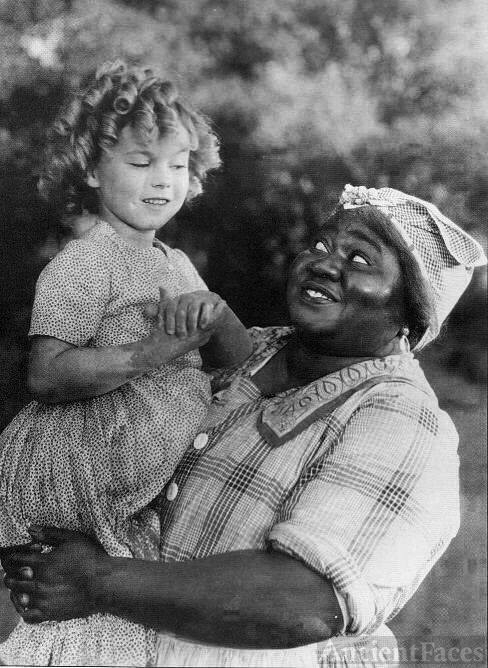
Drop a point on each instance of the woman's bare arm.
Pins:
(230, 343)
(248, 599)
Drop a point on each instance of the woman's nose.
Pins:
(329, 265)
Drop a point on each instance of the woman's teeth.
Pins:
(315, 294)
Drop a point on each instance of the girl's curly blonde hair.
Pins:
(117, 96)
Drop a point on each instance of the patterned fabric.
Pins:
(365, 492)
(92, 464)
(444, 252)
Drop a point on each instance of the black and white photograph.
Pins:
(243, 333)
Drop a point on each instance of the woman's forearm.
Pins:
(60, 372)
(229, 345)
(247, 599)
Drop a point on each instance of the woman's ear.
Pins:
(92, 179)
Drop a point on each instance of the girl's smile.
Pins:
(142, 185)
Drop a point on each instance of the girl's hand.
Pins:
(54, 585)
(184, 315)
(201, 320)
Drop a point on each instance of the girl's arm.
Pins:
(60, 372)
(248, 598)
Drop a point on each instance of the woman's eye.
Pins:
(320, 246)
(359, 259)
(139, 164)
(180, 166)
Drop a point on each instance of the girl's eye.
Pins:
(320, 246)
(139, 164)
(180, 166)
(359, 259)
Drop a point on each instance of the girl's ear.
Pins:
(92, 178)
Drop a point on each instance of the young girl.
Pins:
(120, 394)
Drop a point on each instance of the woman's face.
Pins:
(345, 294)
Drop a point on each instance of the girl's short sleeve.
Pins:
(71, 294)
(187, 271)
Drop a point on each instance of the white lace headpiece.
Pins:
(445, 253)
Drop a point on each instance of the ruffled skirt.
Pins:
(92, 466)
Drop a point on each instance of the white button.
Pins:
(200, 441)
(172, 491)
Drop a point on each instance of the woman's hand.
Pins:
(55, 585)
(246, 598)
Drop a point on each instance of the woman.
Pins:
(324, 485)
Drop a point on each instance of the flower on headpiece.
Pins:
(353, 196)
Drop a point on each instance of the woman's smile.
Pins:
(317, 294)
(347, 290)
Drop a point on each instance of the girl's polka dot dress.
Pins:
(94, 465)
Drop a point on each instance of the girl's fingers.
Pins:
(181, 318)
(164, 296)
(164, 302)
(205, 315)
(187, 313)
(192, 317)
(169, 319)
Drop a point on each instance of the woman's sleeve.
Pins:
(378, 509)
(71, 294)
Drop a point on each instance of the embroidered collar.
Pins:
(290, 412)
(286, 416)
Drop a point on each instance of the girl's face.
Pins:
(346, 292)
(141, 185)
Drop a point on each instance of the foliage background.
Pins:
(306, 95)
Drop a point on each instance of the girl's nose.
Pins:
(329, 266)
(162, 178)
(161, 182)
